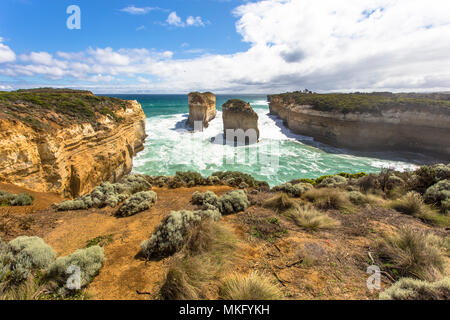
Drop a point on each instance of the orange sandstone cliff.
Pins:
(67, 141)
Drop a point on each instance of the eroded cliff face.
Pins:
(70, 159)
(202, 107)
(397, 129)
(238, 114)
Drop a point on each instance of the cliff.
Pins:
(369, 122)
(67, 141)
(238, 114)
(202, 107)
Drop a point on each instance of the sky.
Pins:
(226, 46)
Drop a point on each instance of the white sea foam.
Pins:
(279, 156)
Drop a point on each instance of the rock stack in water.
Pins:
(202, 108)
(240, 119)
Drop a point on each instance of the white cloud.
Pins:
(174, 20)
(138, 11)
(196, 22)
(322, 45)
(6, 54)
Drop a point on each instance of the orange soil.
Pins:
(337, 258)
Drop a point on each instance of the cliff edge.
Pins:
(370, 122)
(67, 141)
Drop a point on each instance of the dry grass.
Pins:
(310, 218)
(412, 204)
(327, 199)
(195, 272)
(249, 287)
(413, 253)
(279, 203)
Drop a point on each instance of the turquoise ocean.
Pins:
(280, 156)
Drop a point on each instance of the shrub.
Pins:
(89, 260)
(9, 199)
(235, 178)
(439, 194)
(357, 198)
(333, 182)
(20, 257)
(412, 204)
(266, 228)
(412, 253)
(34, 249)
(206, 198)
(232, 202)
(294, 190)
(249, 287)
(413, 289)
(188, 178)
(138, 202)
(108, 194)
(171, 234)
(213, 180)
(426, 176)
(309, 218)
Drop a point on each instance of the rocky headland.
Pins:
(67, 141)
(238, 114)
(202, 107)
(370, 122)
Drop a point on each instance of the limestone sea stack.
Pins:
(236, 115)
(202, 107)
(67, 141)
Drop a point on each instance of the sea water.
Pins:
(280, 155)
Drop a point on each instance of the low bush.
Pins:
(263, 227)
(294, 190)
(9, 199)
(333, 182)
(172, 233)
(34, 249)
(413, 289)
(253, 286)
(357, 198)
(412, 253)
(439, 194)
(235, 179)
(89, 260)
(310, 218)
(231, 202)
(138, 202)
(20, 258)
(108, 194)
(186, 179)
(427, 176)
